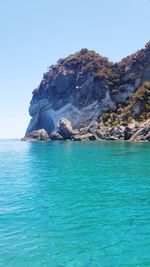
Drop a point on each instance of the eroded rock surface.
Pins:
(143, 133)
(84, 137)
(56, 136)
(65, 129)
(86, 94)
(37, 135)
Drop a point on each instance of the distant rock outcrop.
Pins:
(84, 96)
(37, 135)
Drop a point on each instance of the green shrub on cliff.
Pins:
(142, 94)
(89, 61)
(136, 107)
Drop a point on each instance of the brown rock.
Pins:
(55, 136)
(38, 135)
(101, 134)
(65, 129)
(143, 133)
(84, 137)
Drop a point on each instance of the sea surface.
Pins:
(74, 204)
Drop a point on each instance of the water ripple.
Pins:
(74, 204)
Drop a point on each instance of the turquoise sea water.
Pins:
(72, 204)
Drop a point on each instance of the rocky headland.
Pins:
(87, 97)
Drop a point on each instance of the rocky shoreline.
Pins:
(134, 132)
(86, 97)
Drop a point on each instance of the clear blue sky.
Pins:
(36, 33)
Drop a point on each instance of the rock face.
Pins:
(130, 130)
(55, 136)
(143, 133)
(37, 135)
(84, 137)
(65, 129)
(86, 94)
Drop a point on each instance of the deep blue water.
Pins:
(72, 204)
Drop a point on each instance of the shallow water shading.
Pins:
(72, 204)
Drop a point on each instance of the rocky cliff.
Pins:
(86, 88)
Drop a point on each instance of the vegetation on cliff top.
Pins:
(116, 76)
(83, 62)
(89, 62)
(99, 66)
